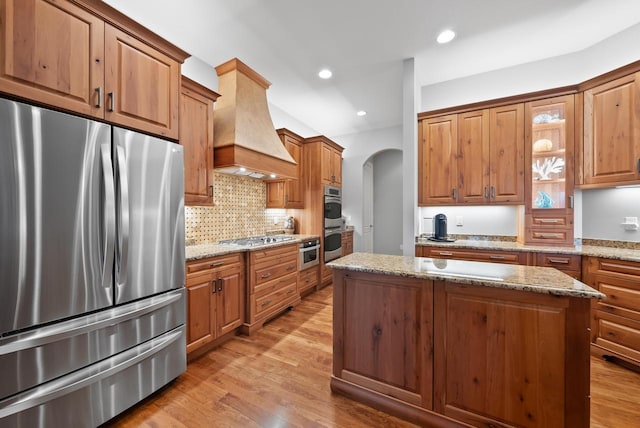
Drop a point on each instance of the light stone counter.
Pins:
(195, 252)
(525, 278)
(628, 254)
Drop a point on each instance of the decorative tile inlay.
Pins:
(238, 211)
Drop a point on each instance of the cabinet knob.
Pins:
(112, 101)
(220, 285)
(486, 192)
(454, 193)
(493, 192)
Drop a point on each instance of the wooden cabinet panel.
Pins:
(331, 165)
(521, 345)
(230, 305)
(150, 101)
(473, 157)
(201, 325)
(347, 242)
(507, 153)
(391, 318)
(288, 193)
(196, 135)
(611, 152)
(52, 52)
(437, 166)
(336, 167)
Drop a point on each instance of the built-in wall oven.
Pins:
(309, 254)
(332, 223)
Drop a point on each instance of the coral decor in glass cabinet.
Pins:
(549, 156)
(549, 176)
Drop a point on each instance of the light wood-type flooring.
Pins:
(279, 377)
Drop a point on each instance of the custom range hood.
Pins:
(244, 138)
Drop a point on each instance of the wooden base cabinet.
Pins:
(347, 242)
(616, 320)
(86, 57)
(440, 353)
(272, 284)
(215, 298)
(510, 358)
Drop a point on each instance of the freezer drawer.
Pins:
(95, 394)
(41, 355)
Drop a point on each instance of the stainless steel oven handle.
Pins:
(123, 236)
(88, 375)
(110, 213)
(304, 250)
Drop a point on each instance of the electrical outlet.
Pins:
(459, 221)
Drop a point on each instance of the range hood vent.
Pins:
(244, 138)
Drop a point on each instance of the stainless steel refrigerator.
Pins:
(92, 268)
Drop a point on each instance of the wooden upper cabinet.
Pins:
(331, 165)
(86, 57)
(437, 164)
(196, 135)
(612, 133)
(149, 101)
(506, 129)
(288, 193)
(52, 52)
(473, 157)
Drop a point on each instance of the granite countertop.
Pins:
(195, 252)
(628, 254)
(515, 277)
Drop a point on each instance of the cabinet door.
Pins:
(52, 52)
(507, 154)
(230, 303)
(276, 194)
(473, 157)
(196, 135)
(201, 307)
(327, 173)
(612, 132)
(336, 167)
(294, 192)
(148, 101)
(437, 170)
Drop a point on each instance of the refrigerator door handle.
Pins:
(109, 219)
(123, 219)
(88, 375)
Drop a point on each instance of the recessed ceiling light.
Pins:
(325, 73)
(361, 113)
(446, 36)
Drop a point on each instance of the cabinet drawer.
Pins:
(213, 263)
(274, 300)
(307, 279)
(617, 268)
(274, 253)
(271, 272)
(548, 222)
(479, 256)
(548, 236)
(623, 296)
(559, 261)
(619, 334)
(275, 284)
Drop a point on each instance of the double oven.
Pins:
(332, 223)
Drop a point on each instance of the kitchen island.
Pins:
(446, 342)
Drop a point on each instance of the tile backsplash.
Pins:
(238, 210)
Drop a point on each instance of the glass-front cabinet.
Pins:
(549, 137)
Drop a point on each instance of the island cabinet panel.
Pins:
(510, 358)
(383, 336)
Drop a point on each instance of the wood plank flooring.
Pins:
(279, 377)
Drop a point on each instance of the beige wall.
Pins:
(238, 211)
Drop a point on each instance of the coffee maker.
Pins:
(440, 227)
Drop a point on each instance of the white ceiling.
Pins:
(365, 42)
